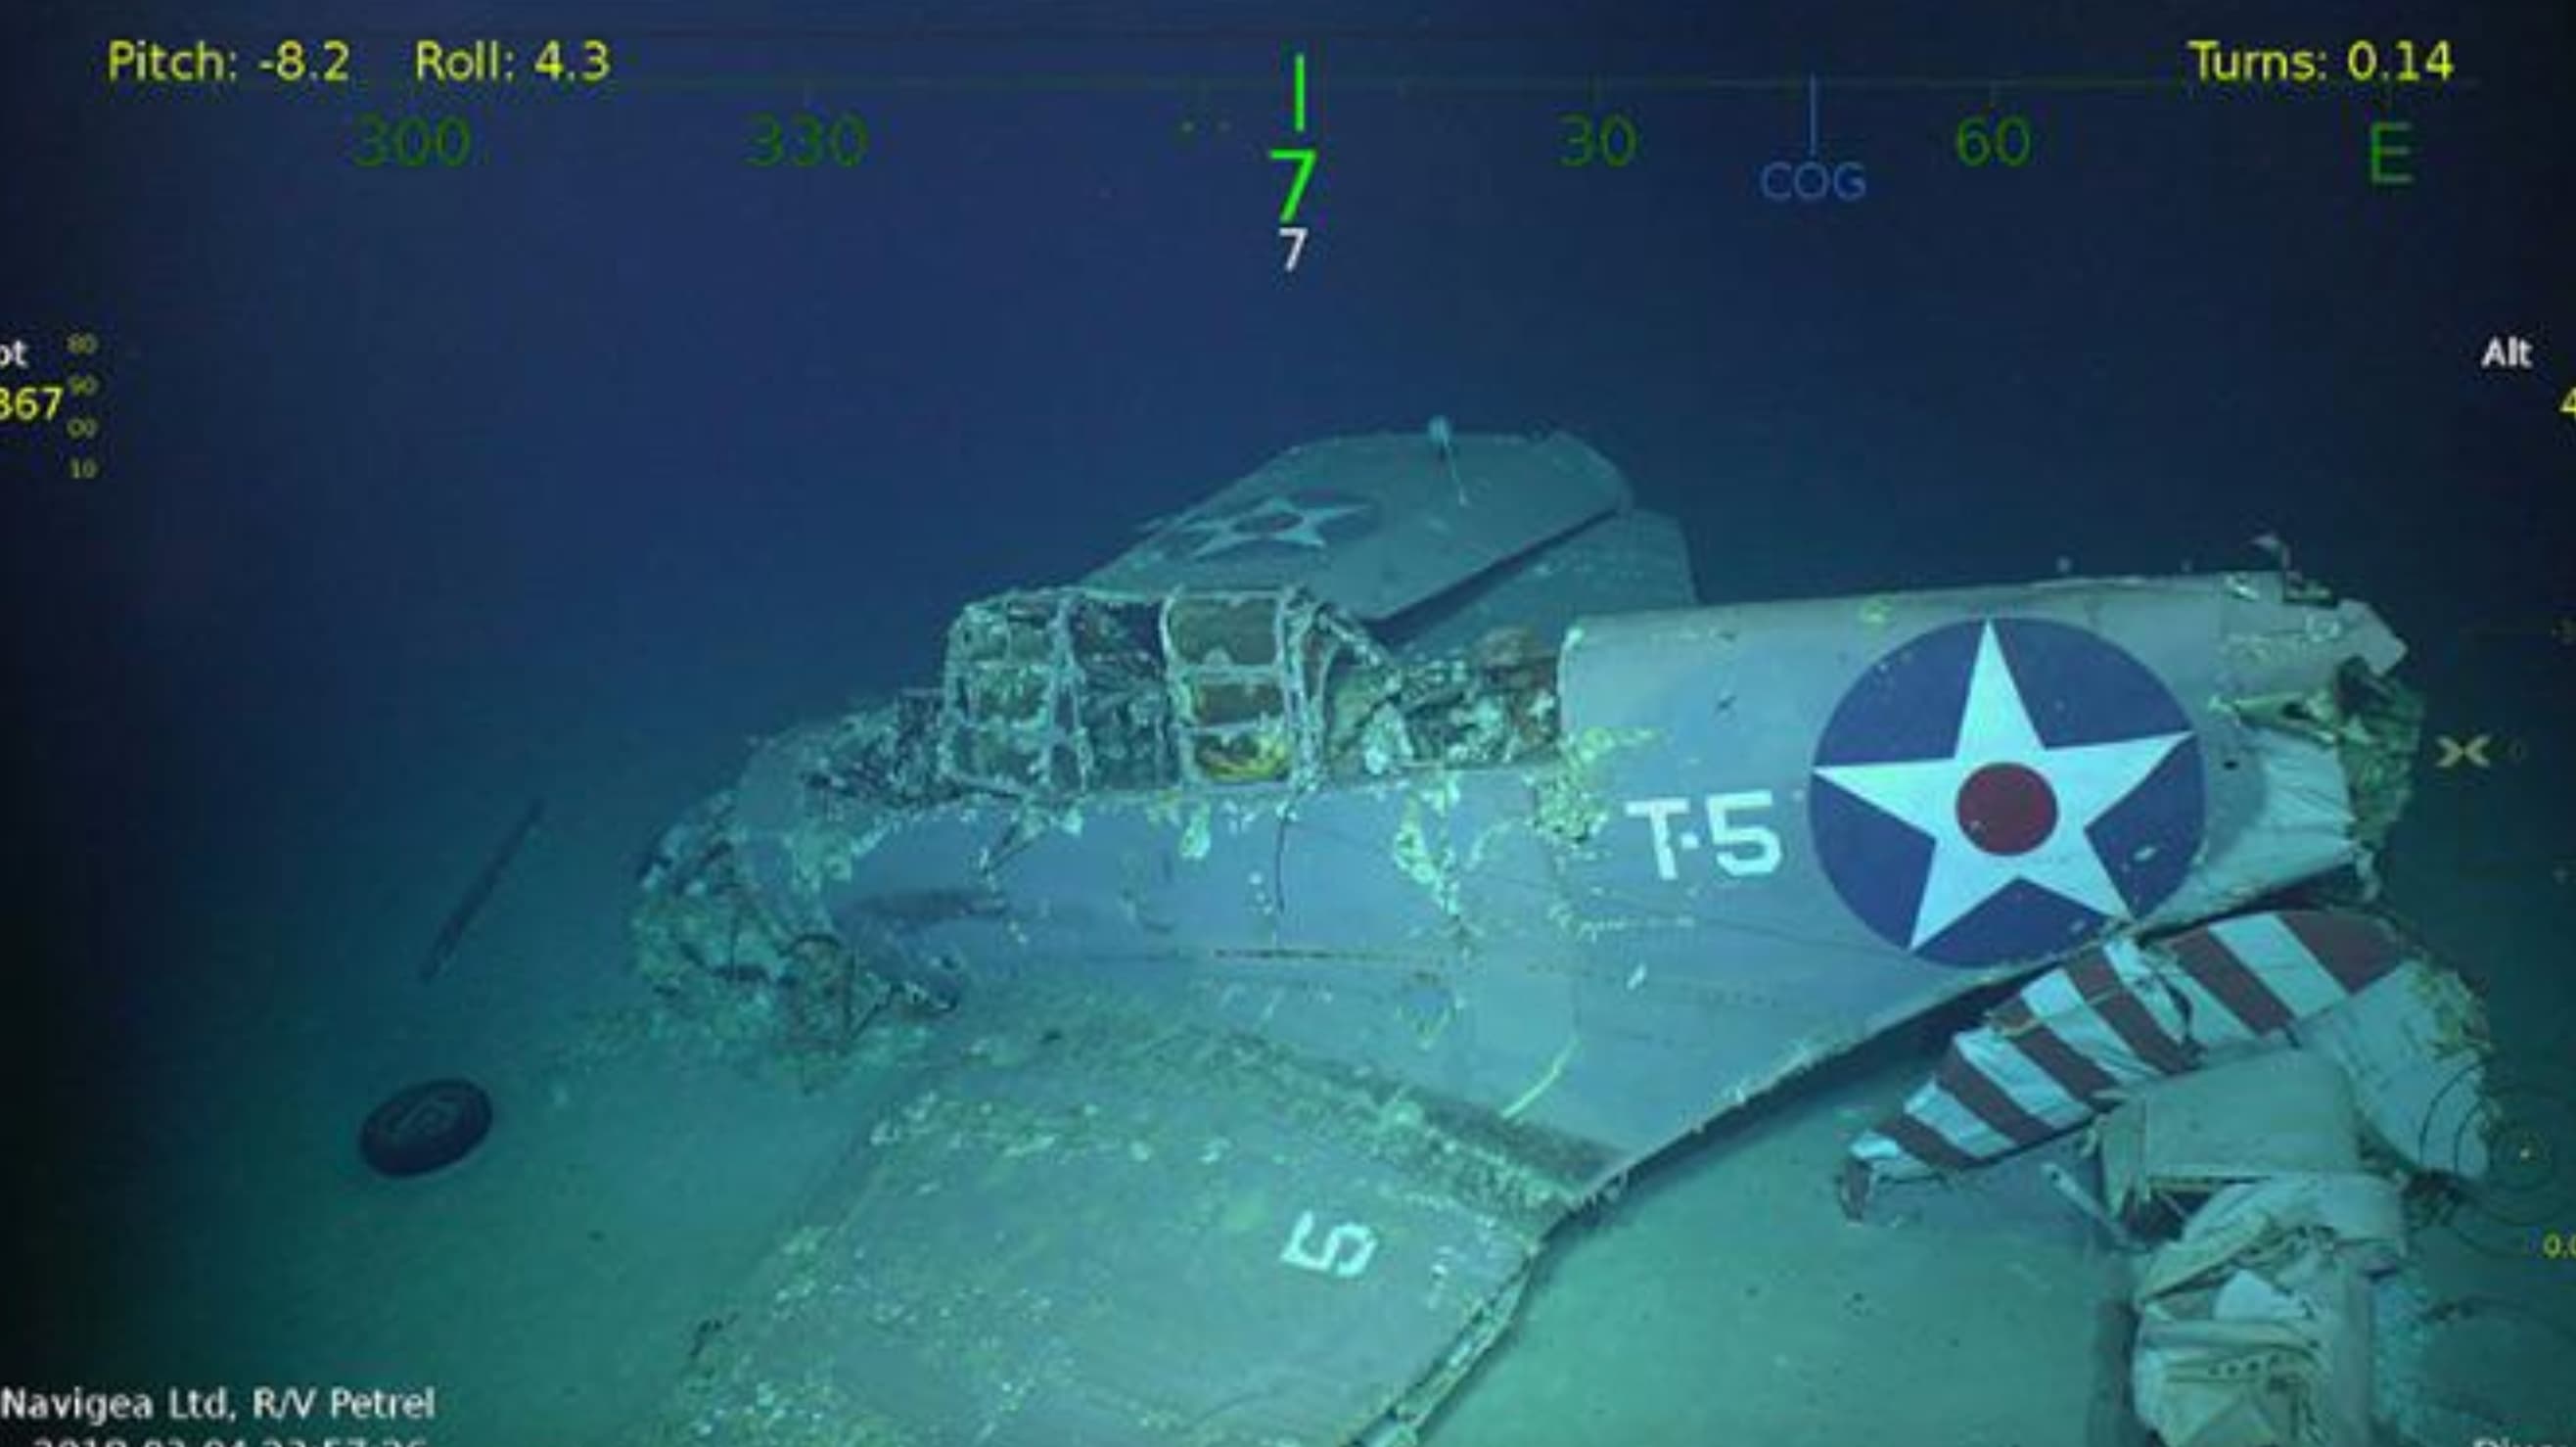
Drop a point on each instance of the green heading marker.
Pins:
(1303, 158)
(1297, 93)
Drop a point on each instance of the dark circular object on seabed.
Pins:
(423, 1127)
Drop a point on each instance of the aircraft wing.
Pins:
(1092, 1226)
(1378, 524)
(1631, 561)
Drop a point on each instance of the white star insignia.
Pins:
(1275, 519)
(2060, 792)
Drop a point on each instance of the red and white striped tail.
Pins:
(2052, 1056)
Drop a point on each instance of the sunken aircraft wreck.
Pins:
(1249, 952)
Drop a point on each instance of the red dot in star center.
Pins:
(2007, 809)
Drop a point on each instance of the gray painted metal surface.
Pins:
(1232, 1113)
(1092, 1225)
(1626, 562)
(1377, 524)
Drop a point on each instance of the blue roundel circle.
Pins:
(2005, 790)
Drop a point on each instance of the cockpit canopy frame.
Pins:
(1052, 693)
